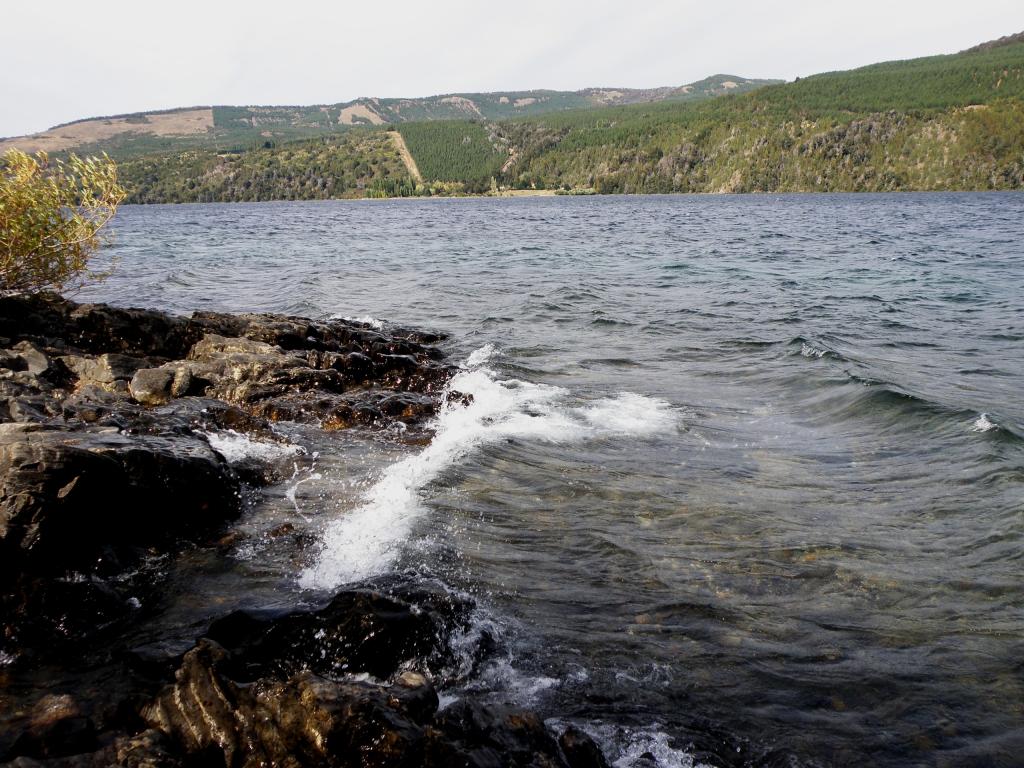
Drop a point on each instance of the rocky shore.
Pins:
(106, 465)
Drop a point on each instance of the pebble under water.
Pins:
(742, 481)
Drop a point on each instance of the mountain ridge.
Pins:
(237, 127)
(947, 122)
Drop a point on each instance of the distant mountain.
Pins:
(952, 122)
(236, 128)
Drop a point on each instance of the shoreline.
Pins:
(108, 411)
(614, 195)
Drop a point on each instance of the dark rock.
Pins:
(358, 631)
(281, 530)
(580, 750)
(39, 613)
(35, 362)
(310, 720)
(51, 321)
(104, 464)
(64, 495)
(269, 699)
(283, 367)
(56, 729)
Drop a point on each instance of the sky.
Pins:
(62, 60)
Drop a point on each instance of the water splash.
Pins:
(626, 747)
(373, 322)
(235, 447)
(809, 350)
(366, 541)
(983, 424)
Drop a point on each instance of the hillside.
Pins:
(239, 128)
(953, 122)
(358, 163)
(941, 122)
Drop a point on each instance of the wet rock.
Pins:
(372, 409)
(42, 615)
(56, 728)
(78, 484)
(52, 321)
(149, 749)
(307, 719)
(105, 464)
(517, 736)
(264, 696)
(580, 750)
(65, 495)
(358, 631)
(283, 367)
(280, 530)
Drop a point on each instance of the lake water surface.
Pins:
(742, 481)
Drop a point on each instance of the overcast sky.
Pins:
(63, 60)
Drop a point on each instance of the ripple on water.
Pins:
(844, 498)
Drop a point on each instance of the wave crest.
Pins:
(366, 541)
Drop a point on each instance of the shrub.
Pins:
(51, 214)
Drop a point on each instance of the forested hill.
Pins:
(229, 129)
(942, 122)
(953, 122)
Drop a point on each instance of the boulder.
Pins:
(292, 690)
(104, 370)
(350, 723)
(65, 495)
(358, 631)
(152, 386)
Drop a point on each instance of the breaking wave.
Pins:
(366, 541)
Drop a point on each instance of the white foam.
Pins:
(6, 659)
(637, 744)
(445, 700)
(808, 350)
(300, 476)
(373, 322)
(480, 356)
(512, 685)
(366, 541)
(631, 414)
(627, 747)
(983, 424)
(234, 446)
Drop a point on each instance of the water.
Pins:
(742, 482)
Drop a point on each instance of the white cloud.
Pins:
(59, 62)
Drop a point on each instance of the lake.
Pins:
(742, 481)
